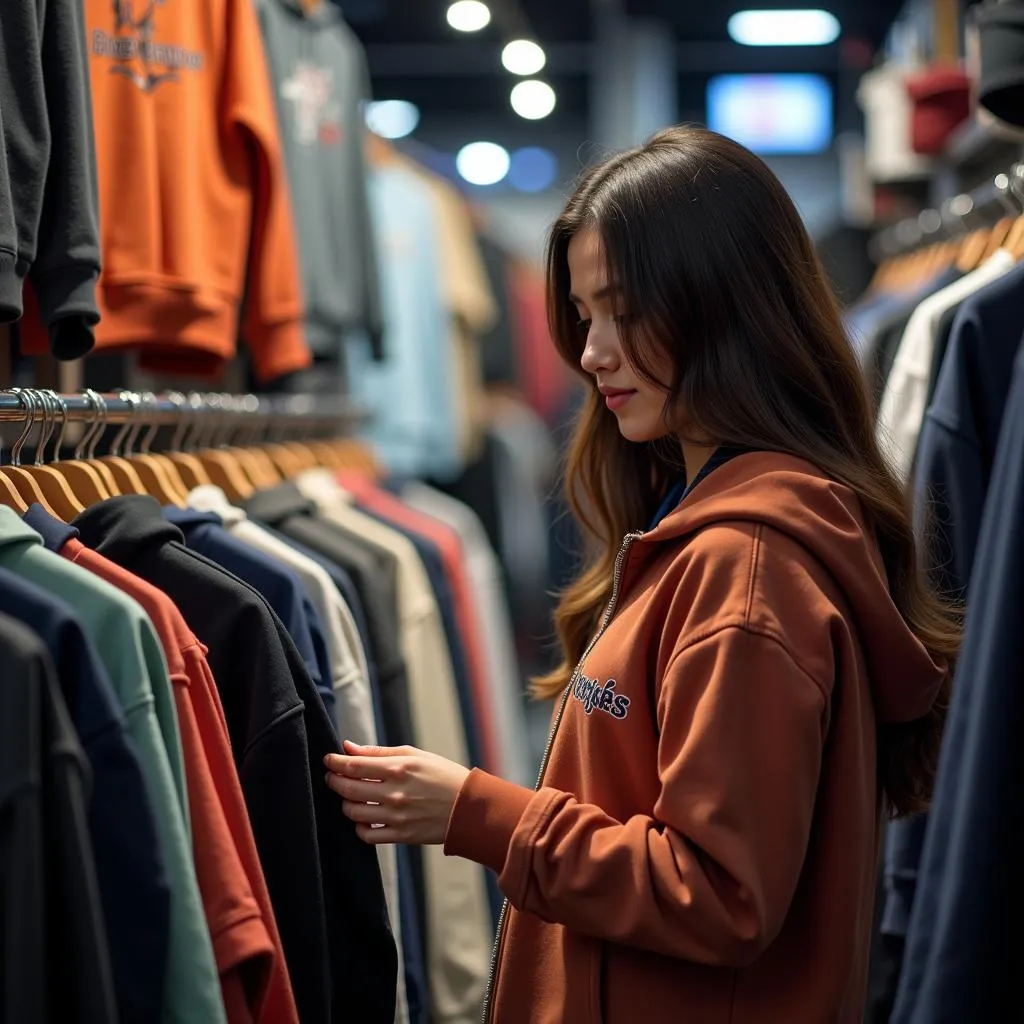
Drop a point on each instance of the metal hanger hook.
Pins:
(24, 401)
(119, 437)
(135, 419)
(101, 405)
(48, 415)
(62, 407)
(92, 424)
(149, 410)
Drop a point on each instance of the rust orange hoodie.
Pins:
(704, 841)
(194, 207)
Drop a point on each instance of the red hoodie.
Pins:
(705, 839)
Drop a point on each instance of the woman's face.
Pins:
(637, 404)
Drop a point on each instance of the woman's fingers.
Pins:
(366, 814)
(357, 790)
(370, 768)
(378, 836)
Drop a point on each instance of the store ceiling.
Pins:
(453, 77)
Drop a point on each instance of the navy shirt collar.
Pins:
(55, 534)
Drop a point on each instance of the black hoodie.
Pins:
(48, 205)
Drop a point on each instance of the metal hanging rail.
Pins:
(322, 412)
(1003, 195)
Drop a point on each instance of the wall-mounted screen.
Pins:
(790, 113)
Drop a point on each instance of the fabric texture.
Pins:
(957, 965)
(698, 876)
(54, 965)
(321, 83)
(485, 577)
(132, 877)
(131, 654)
(324, 883)
(48, 215)
(350, 680)
(187, 144)
(902, 408)
(458, 918)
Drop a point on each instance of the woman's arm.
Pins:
(709, 877)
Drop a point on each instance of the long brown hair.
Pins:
(714, 267)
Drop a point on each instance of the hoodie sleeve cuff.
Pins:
(486, 814)
(278, 349)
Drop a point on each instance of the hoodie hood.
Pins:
(795, 498)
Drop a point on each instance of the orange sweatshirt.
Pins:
(194, 208)
(704, 843)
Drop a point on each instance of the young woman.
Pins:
(754, 667)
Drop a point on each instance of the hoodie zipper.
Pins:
(620, 562)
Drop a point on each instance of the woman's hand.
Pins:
(395, 794)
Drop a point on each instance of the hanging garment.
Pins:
(323, 881)
(458, 918)
(373, 571)
(133, 884)
(488, 589)
(133, 658)
(242, 945)
(1001, 42)
(951, 482)
(53, 968)
(883, 97)
(194, 206)
(321, 84)
(282, 588)
(48, 229)
(349, 674)
(462, 626)
(902, 407)
(413, 425)
(958, 964)
(353, 700)
(252, 990)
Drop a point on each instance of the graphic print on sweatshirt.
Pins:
(146, 62)
(311, 91)
(597, 697)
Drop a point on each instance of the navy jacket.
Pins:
(961, 962)
(134, 890)
(953, 467)
(204, 532)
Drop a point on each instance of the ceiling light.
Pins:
(533, 99)
(784, 28)
(533, 169)
(392, 119)
(523, 57)
(469, 16)
(482, 163)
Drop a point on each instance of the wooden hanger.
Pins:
(221, 464)
(125, 474)
(9, 495)
(1014, 243)
(158, 473)
(973, 249)
(191, 471)
(287, 463)
(25, 484)
(82, 477)
(54, 485)
(997, 236)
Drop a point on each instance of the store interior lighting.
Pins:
(784, 28)
(523, 57)
(483, 163)
(469, 15)
(533, 169)
(392, 119)
(533, 99)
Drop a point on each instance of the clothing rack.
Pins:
(1001, 197)
(325, 413)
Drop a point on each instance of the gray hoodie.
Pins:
(48, 206)
(320, 83)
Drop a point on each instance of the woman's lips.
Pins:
(615, 400)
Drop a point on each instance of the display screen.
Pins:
(789, 113)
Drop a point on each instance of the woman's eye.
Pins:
(583, 326)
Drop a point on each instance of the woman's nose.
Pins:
(599, 355)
